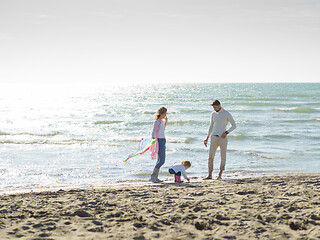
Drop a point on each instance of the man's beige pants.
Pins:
(215, 143)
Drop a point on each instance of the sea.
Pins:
(61, 136)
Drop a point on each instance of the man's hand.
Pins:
(206, 141)
(188, 179)
(224, 135)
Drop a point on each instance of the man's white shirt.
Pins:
(219, 122)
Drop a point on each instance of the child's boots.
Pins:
(177, 178)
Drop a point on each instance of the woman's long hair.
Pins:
(160, 111)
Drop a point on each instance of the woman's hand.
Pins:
(165, 120)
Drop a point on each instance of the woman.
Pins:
(158, 132)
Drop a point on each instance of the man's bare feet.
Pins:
(208, 178)
(219, 175)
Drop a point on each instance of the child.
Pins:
(178, 168)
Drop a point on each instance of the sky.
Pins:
(167, 41)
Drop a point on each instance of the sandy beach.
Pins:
(283, 207)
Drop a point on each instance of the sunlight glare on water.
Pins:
(81, 134)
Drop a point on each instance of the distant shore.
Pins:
(276, 207)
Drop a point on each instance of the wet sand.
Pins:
(284, 207)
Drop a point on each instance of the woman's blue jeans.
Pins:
(161, 152)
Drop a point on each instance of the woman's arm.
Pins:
(156, 127)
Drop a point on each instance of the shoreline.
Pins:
(271, 207)
(36, 188)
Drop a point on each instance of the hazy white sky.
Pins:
(159, 41)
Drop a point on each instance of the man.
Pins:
(219, 120)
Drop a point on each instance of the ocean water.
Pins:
(73, 136)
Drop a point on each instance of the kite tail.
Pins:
(155, 147)
(144, 146)
(154, 150)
